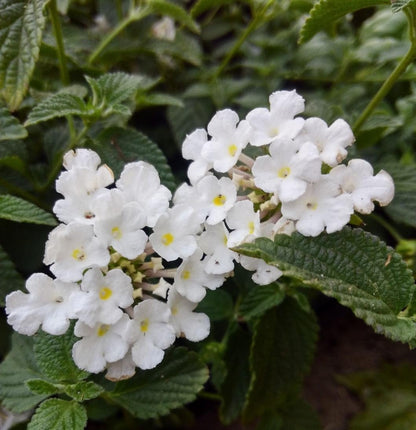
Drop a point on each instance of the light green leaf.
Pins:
(16, 209)
(21, 26)
(40, 386)
(354, 267)
(54, 357)
(118, 146)
(83, 390)
(281, 353)
(57, 106)
(10, 279)
(155, 392)
(260, 299)
(167, 8)
(157, 99)
(18, 367)
(398, 5)
(326, 12)
(10, 127)
(58, 414)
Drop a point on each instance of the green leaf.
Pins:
(16, 209)
(58, 414)
(155, 392)
(84, 390)
(40, 386)
(203, 5)
(21, 27)
(260, 299)
(217, 304)
(57, 106)
(157, 99)
(10, 127)
(167, 8)
(398, 5)
(354, 267)
(118, 146)
(326, 12)
(10, 279)
(18, 367)
(281, 353)
(54, 357)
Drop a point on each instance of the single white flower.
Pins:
(121, 369)
(279, 121)
(228, 140)
(244, 222)
(81, 158)
(50, 304)
(193, 325)
(100, 345)
(264, 274)
(358, 181)
(164, 28)
(288, 169)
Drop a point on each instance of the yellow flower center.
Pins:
(219, 200)
(232, 149)
(102, 330)
(186, 274)
(283, 172)
(116, 233)
(174, 310)
(167, 239)
(225, 240)
(144, 325)
(312, 205)
(105, 293)
(78, 254)
(251, 227)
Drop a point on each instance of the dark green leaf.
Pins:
(282, 351)
(173, 383)
(16, 209)
(58, 414)
(260, 299)
(10, 279)
(326, 12)
(10, 127)
(40, 386)
(353, 266)
(84, 390)
(217, 304)
(201, 6)
(21, 26)
(18, 367)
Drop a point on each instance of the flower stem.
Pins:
(395, 75)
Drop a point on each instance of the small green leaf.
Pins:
(58, 414)
(398, 5)
(21, 27)
(84, 390)
(118, 146)
(16, 209)
(202, 6)
(10, 127)
(260, 299)
(155, 392)
(217, 304)
(326, 12)
(54, 357)
(157, 99)
(57, 106)
(281, 353)
(40, 386)
(354, 267)
(10, 279)
(18, 367)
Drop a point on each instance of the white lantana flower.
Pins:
(288, 169)
(228, 140)
(106, 294)
(322, 206)
(244, 222)
(193, 325)
(264, 274)
(82, 157)
(174, 233)
(331, 141)
(279, 121)
(164, 28)
(357, 180)
(50, 303)
(150, 333)
(72, 248)
(191, 279)
(121, 369)
(140, 183)
(100, 345)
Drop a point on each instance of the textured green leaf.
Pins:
(326, 12)
(282, 351)
(155, 392)
(403, 207)
(167, 8)
(40, 386)
(398, 5)
(54, 357)
(354, 267)
(18, 367)
(217, 304)
(21, 26)
(118, 146)
(10, 279)
(16, 209)
(57, 106)
(10, 127)
(58, 414)
(260, 299)
(83, 390)
(157, 99)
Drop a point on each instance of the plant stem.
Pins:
(210, 396)
(252, 26)
(397, 72)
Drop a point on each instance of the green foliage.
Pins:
(326, 12)
(42, 387)
(10, 279)
(10, 127)
(58, 414)
(217, 304)
(155, 392)
(398, 5)
(201, 6)
(352, 266)
(21, 26)
(83, 390)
